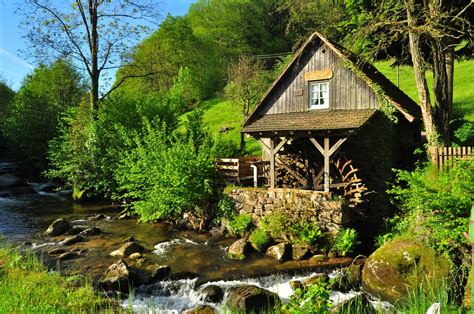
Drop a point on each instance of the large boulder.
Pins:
(116, 278)
(299, 251)
(58, 227)
(91, 231)
(399, 265)
(238, 249)
(251, 299)
(128, 249)
(9, 181)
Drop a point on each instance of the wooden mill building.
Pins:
(333, 122)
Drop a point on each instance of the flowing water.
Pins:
(23, 219)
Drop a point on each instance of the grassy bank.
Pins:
(26, 286)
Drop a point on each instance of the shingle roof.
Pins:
(392, 93)
(313, 120)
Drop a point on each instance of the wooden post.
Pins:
(326, 164)
(272, 162)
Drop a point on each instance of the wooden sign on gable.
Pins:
(318, 75)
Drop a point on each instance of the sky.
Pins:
(13, 67)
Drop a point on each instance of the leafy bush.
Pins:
(312, 299)
(462, 132)
(163, 176)
(345, 241)
(435, 206)
(259, 239)
(240, 224)
(225, 208)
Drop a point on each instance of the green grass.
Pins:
(463, 84)
(26, 286)
(221, 113)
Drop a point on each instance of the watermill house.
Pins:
(333, 122)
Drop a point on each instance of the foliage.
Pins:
(173, 59)
(164, 176)
(462, 132)
(226, 207)
(6, 98)
(283, 224)
(312, 299)
(345, 241)
(34, 115)
(87, 152)
(259, 239)
(435, 206)
(96, 34)
(240, 224)
(27, 286)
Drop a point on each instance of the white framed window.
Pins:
(319, 95)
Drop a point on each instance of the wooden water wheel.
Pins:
(351, 185)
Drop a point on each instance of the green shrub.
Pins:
(240, 224)
(225, 208)
(164, 176)
(259, 239)
(435, 206)
(462, 132)
(312, 299)
(305, 233)
(345, 241)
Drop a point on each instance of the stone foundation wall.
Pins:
(330, 215)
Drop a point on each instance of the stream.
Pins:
(24, 219)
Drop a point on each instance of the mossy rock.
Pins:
(399, 265)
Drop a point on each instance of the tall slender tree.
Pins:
(94, 33)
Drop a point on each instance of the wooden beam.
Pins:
(265, 146)
(280, 145)
(326, 164)
(336, 146)
(317, 145)
(272, 163)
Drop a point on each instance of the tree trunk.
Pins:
(94, 47)
(432, 131)
(441, 89)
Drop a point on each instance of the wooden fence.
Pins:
(243, 170)
(445, 157)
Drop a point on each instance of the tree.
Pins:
(431, 29)
(33, 116)
(93, 33)
(246, 84)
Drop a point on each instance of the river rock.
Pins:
(238, 249)
(9, 181)
(57, 251)
(296, 284)
(251, 299)
(48, 188)
(116, 278)
(67, 256)
(399, 265)
(91, 231)
(348, 278)
(315, 279)
(211, 294)
(159, 272)
(58, 227)
(299, 251)
(201, 309)
(98, 217)
(183, 275)
(76, 230)
(128, 239)
(22, 190)
(135, 256)
(71, 240)
(65, 193)
(318, 258)
(278, 251)
(128, 249)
